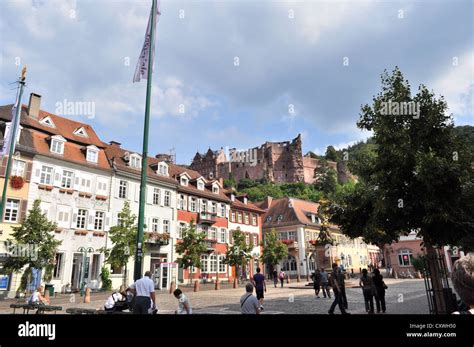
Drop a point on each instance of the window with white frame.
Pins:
(81, 219)
(222, 263)
(232, 216)
(156, 196)
(239, 217)
(63, 216)
(92, 154)
(123, 186)
(203, 205)
(200, 185)
(18, 168)
(167, 201)
(155, 225)
(215, 189)
(67, 179)
(57, 145)
(213, 233)
(222, 235)
(247, 239)
(405, 257)
(184, 181)
(135, 161)
(166, 226)
(246, 218)
(181, 230)
(254, 219)
(162, 169)
(193, 205)
(204, 263)
(99, 220)
(46, 175)
(223, 210)
(58, 265)
(12, 210)
(85, 184)
(181, 201)
(255, 241)
(214, 207)
(291, 235)
(213, 261)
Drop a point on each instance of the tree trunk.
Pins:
(436, 279)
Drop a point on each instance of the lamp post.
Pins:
(84, 251)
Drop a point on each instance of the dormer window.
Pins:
(57, 144)
(215, 188)
(184, 181)
(80, 132)
(135, 161)
(280, 217)
(47, 121)
(92, 154)
(162, 169)
(200, 185)
(8, 129)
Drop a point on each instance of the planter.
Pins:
(80, 232)
(101, 197)
(66, 191)
(98, 233)
(16, 182)
(58, 231)
(45, 187)
(85, 195)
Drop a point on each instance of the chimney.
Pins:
(115, 143)
(221, 182)
(267, 202)
(34, 106)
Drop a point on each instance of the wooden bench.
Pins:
(39, 308)
(76, 310)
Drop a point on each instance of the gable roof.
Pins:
(64, 126)
(297, 214)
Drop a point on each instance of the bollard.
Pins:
(196, 286)
(298, 278)
(236, 284)
(172, 287)
(218, 285)
(46, 295)
(288, 279)
(87, 297)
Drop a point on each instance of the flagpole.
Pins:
(13, 130)
(141, 212)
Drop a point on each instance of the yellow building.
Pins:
(16, 199)
(297, 224)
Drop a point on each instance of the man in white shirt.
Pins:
(184, 306)
(144, 290)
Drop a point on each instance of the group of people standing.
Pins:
(372, 286)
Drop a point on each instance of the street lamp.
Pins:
(84, 252)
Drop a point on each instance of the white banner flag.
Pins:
(8, 133)
(141, 71)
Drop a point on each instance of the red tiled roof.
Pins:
(116, 154)
(290, 215)
(249, 206)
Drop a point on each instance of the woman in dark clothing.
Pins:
(379, 290)
(316, 282)
(368, 290)
(275, 278)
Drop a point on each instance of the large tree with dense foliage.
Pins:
(190, 248)
(273, 249)
(419, 177)
(239, 253)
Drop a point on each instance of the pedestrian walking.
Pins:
(325, 284)
(275, 278)
(367, 284)
(316, 282)
(337, 292)
(342, 286)
(248, 302)
(258, 281)
(380, 287)
(184, 307)
(144, 290)
(282, 277)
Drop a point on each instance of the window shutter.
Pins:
(3, 166)
(149, 195)
(77, 181)
(57, 178)
(37, 175)
(29, 166)
(117, 187)
(91, 215)
(23, 209)
(107, 221)
(74, 218)
(162, 197)
(185, 203)
(137, 191)
(209, 206)
(189, 203)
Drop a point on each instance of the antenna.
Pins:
(173, 155)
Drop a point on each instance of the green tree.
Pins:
(230, 182)
(105, 278)
(420, 178)
(123, 237)
(190, 249)
(273, 249)
(239, 253)
(332, 154)
(37, 233)
(326, 177)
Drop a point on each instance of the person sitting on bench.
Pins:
(38, 298)
(117, 301)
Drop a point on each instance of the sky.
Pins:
(234, 74)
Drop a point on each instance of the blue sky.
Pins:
(290, 53)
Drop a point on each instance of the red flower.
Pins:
(16, 182)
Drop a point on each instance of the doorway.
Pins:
(76, 271)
